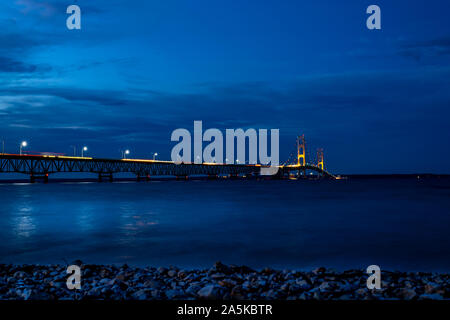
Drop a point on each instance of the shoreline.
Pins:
(220, 282)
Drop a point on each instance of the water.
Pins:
(395, 223)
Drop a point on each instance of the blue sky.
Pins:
(376, 101)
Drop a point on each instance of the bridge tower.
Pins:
(301, 153)
(320, 158)
(301, 150)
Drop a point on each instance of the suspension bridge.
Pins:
(40, 166)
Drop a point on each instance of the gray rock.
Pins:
(210, 292)
(19, 275)
(172, 294)
(303, 285)
(141, 294)
(216, 276)
(427, 296)
(408, 294)
(172, 273)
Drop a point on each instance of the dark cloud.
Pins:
(420, 50)
(8, 65)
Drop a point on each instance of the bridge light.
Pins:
(83, 150)
(125, 153)
(155, 155)
(23, 145)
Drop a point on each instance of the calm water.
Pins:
(397, 224)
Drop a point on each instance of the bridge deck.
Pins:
(43, 165)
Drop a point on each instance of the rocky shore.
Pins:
(48, 282)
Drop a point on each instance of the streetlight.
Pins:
(23, 145)
(155, 155)
(83, 151)
(124, 154)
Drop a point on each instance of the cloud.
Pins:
(420, 50)
(9, 65)
(44, 9)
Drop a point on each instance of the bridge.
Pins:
(39, 167)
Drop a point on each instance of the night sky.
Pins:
(377, 101)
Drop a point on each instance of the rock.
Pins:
(216, 276)
(25, 294)
(141, 294)
(262, 283)
(431, 287)
(116, 283)
(57, 284)
(172, 294)
(162, 270)
(319, 270)
(317, 295)
(362, 292)
(271, 294)
(303, 296)
(246, 285)
(11, 280)
(172, 273)
(228, 283)
(120, 277)
(325, 286)
(219, 267)
(192, 290)
(285, 287)
(303, 285)
(77, 262)
(408, 294)
(242, 270)
(153, 283)
(427, 296)
(19, 275)
(210, 292)
(267, 271)
(237, 293)
(182, 274)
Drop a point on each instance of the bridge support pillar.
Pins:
(34, 178)
(142, 177)
(106, 176)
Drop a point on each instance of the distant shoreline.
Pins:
(415, 176)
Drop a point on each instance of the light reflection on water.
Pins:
(393, 223)
(23, 223)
